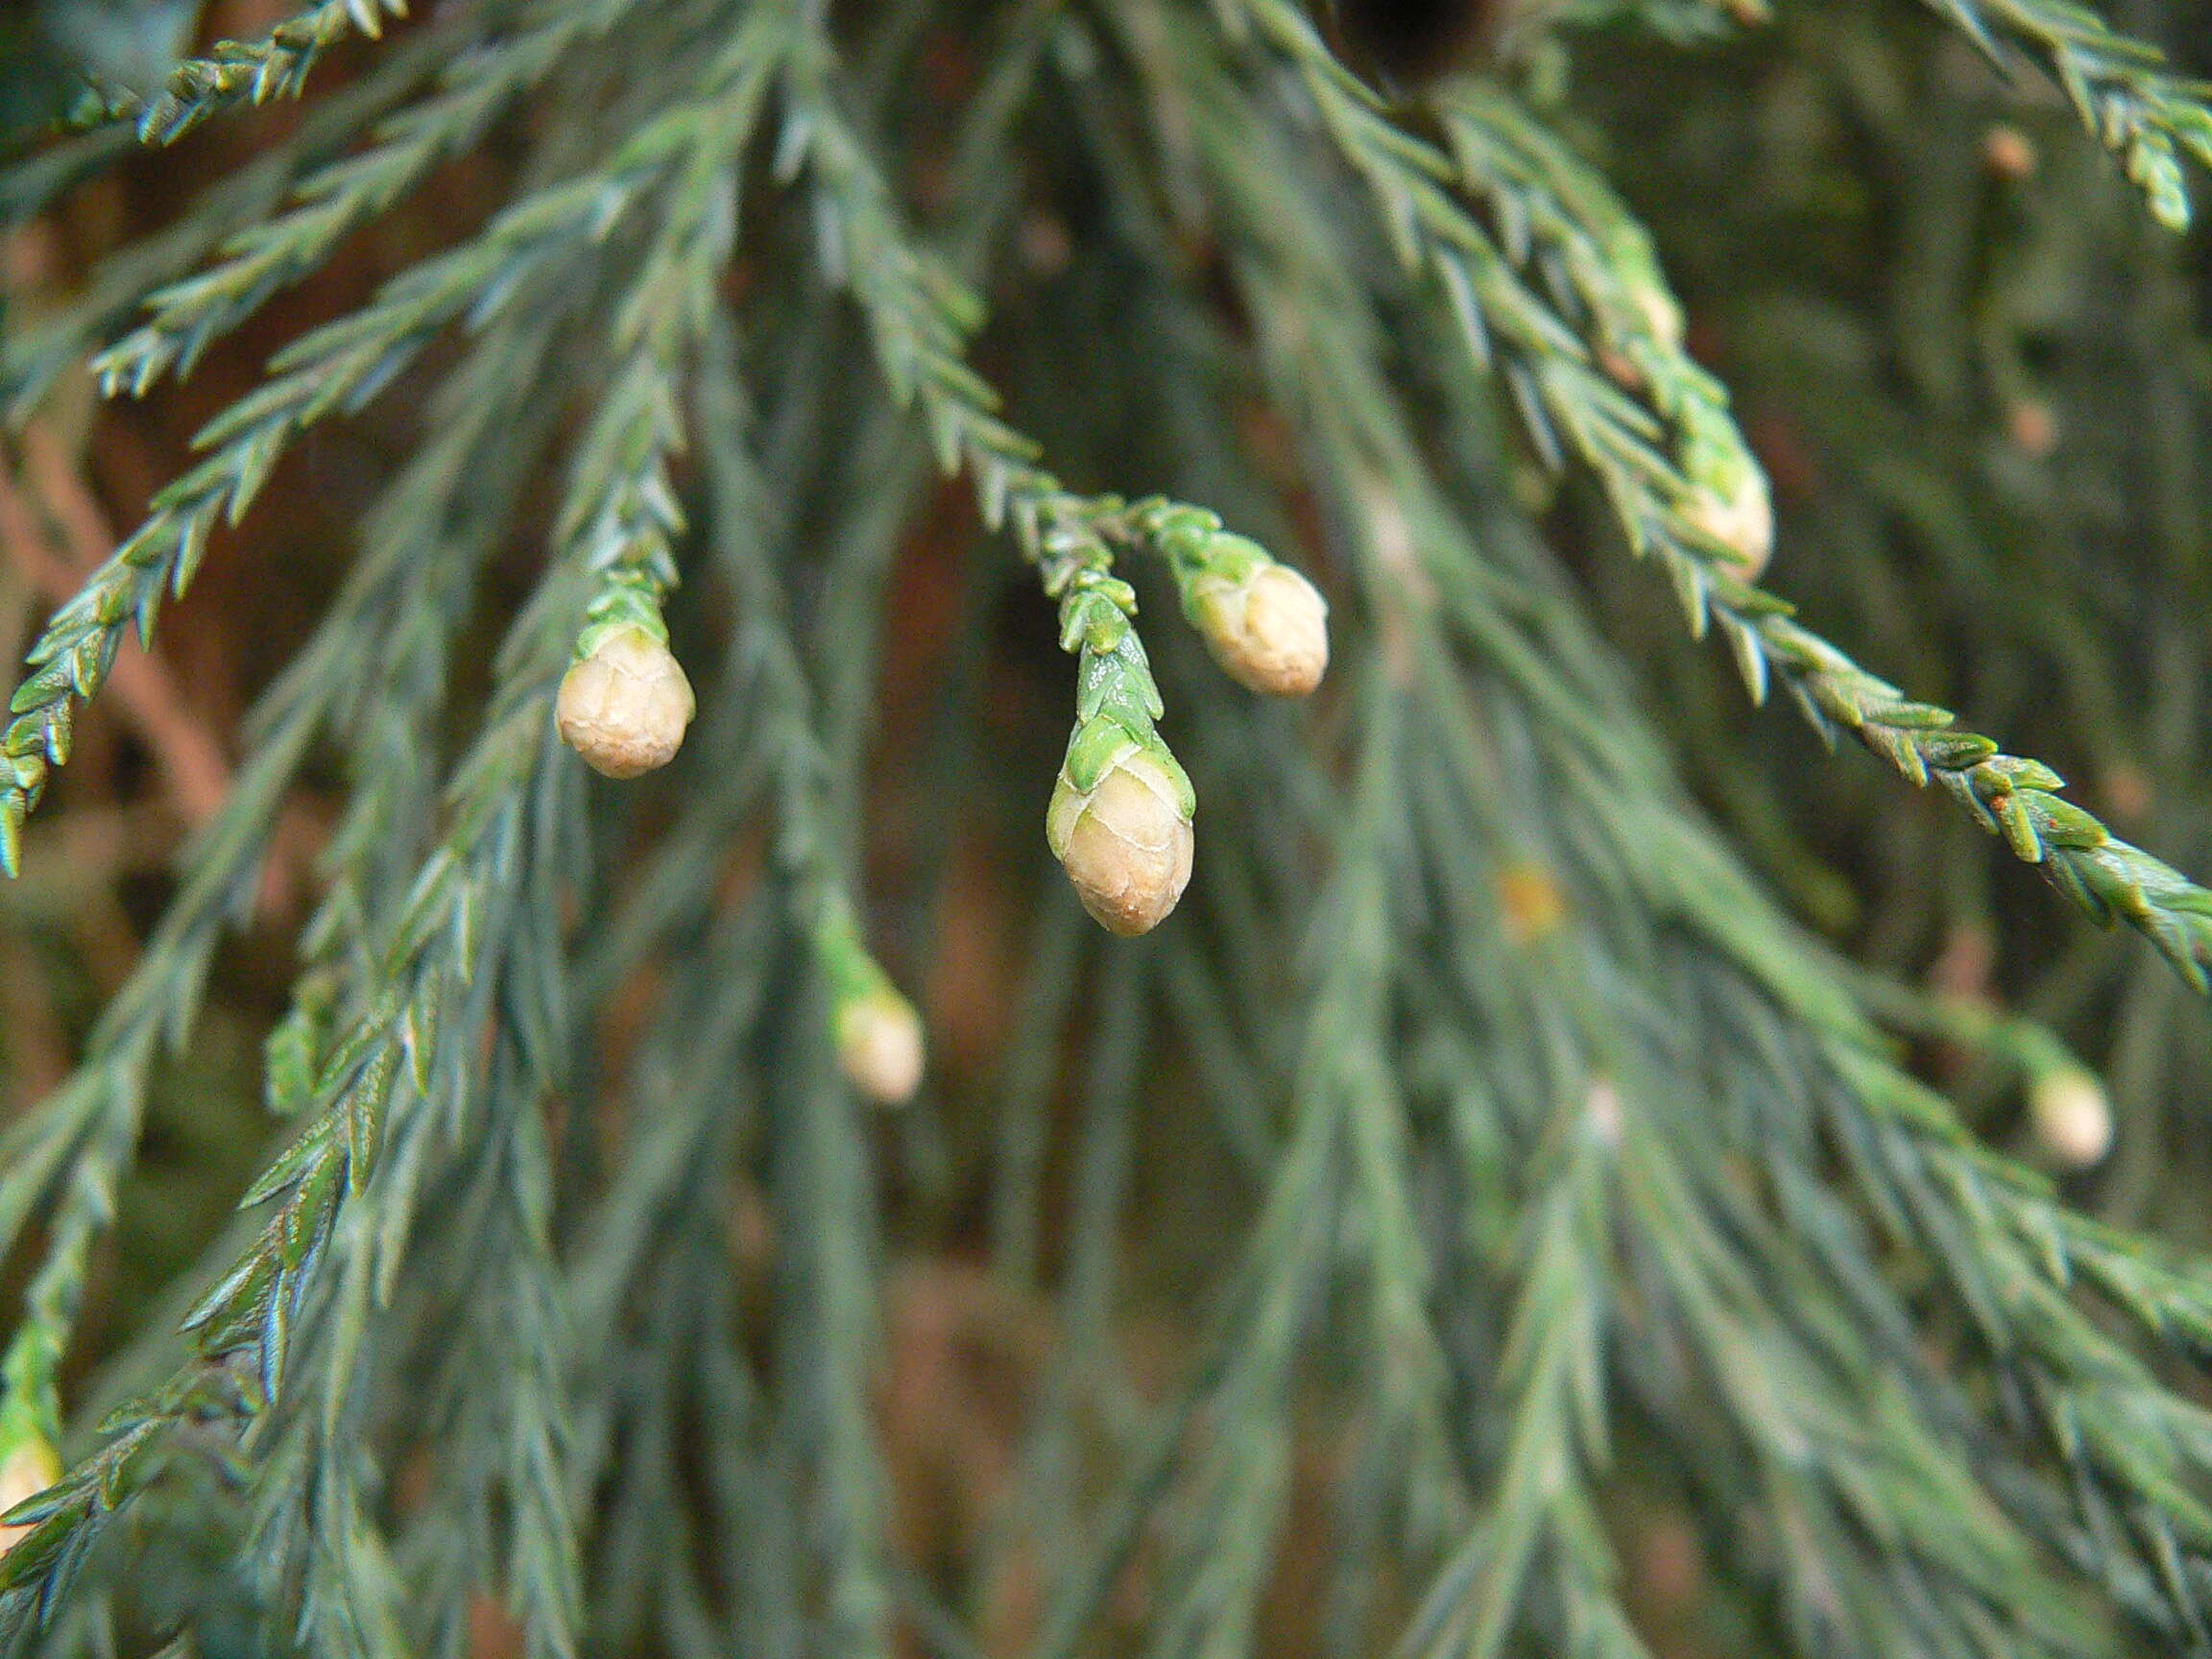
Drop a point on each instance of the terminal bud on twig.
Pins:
(1268, 628)
(877, 1032)
(626, 706)
(879, 1045)
(2072, 1116)
(1264, 623)
(1119, 824)
(1119, 819)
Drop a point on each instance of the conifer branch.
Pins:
(732, 772)
(526, 1423)
(820, 1172)
(1579, 1138)
(656, 1241)
(812, 856)
(395, 612)
(503, 1361)
(667, 1251)
(828, 1335)
(622, 512)
(1841, 1448)
(2138, 1453)
(1336, 1170)
(335, 368)
(1552, 1374)
(1736, 1310)
(432, 952)
(448, 511)
(1120, 787)
(1656, 495)
(388, 636)
(1924, 1499)
(30, 361)
(2127, 98)
(408, 1057)
(1612, 281)
(237, 71)
(478, 84)
(626, 703)
(921, 319)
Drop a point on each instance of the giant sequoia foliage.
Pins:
(1593, 1164)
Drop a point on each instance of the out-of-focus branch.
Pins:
(55, 533)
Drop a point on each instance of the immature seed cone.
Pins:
(625, 707)
(1269, 631)
(879, 1045)
(2072, 1116)
(1126, 844)
(27, 1471)
(1741, 519)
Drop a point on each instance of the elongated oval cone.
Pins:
(27, 1471)
(1125, 845)
(2072, 1116)
(626, 706)
(879, 1045)
(1269, 632)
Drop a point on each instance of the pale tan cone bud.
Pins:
(1661, 314)
(879, 1045)
(2072, 1116)
(29, 1469)
(1269, 632)
(1126, 846)
(1741, 519)
(625, 708)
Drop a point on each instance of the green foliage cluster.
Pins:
(1534, 1157)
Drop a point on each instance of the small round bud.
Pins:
(2033, 426)
(1740, 518)
(25, 1472)
(1126, 844)
(2007, 152)
(879, 1045)
(1269, 631)
(2072, 1116)
(625, 707)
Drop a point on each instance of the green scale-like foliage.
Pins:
(1478, 1128)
